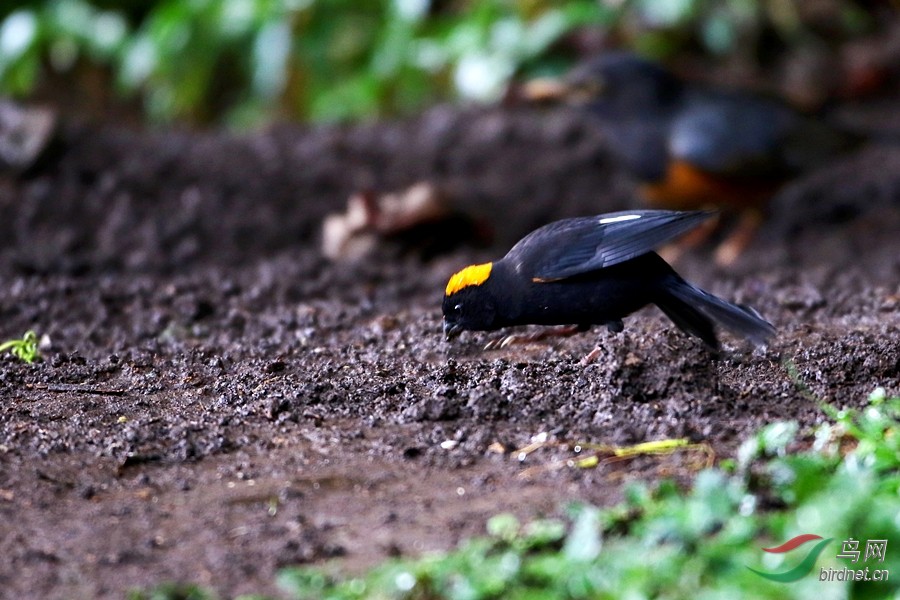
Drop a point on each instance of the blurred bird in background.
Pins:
(692, 146)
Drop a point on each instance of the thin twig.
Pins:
(75, 388)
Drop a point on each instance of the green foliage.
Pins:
(665, 543)
(324, 60)
(25, 349)
(248, 61)
(749, 27)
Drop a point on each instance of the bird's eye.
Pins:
(457, 308)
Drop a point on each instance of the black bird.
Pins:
(593, 271)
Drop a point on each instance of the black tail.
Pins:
(695, 312)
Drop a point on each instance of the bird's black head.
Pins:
(624, 80)
(469, 303)
(614, 82)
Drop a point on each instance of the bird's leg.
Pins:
(591, 356)
(616, 326)
(693, 239)
(735, 244)
(538, 336)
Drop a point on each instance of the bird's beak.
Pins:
(451, 330)
(545, 89)
(570, 90)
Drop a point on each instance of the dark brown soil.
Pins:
(219, 401)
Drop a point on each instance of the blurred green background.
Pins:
(244, 63)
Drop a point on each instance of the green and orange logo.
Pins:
(804, 567)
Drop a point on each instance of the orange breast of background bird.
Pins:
(686, 187)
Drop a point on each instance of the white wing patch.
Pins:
(619, 219)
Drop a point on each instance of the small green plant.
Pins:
(24, 349)
(172, 591)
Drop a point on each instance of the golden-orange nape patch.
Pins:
(474, 275)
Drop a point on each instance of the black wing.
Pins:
(575, 246)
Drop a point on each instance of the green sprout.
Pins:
(24, 349)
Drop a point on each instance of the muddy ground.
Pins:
(218, 401)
